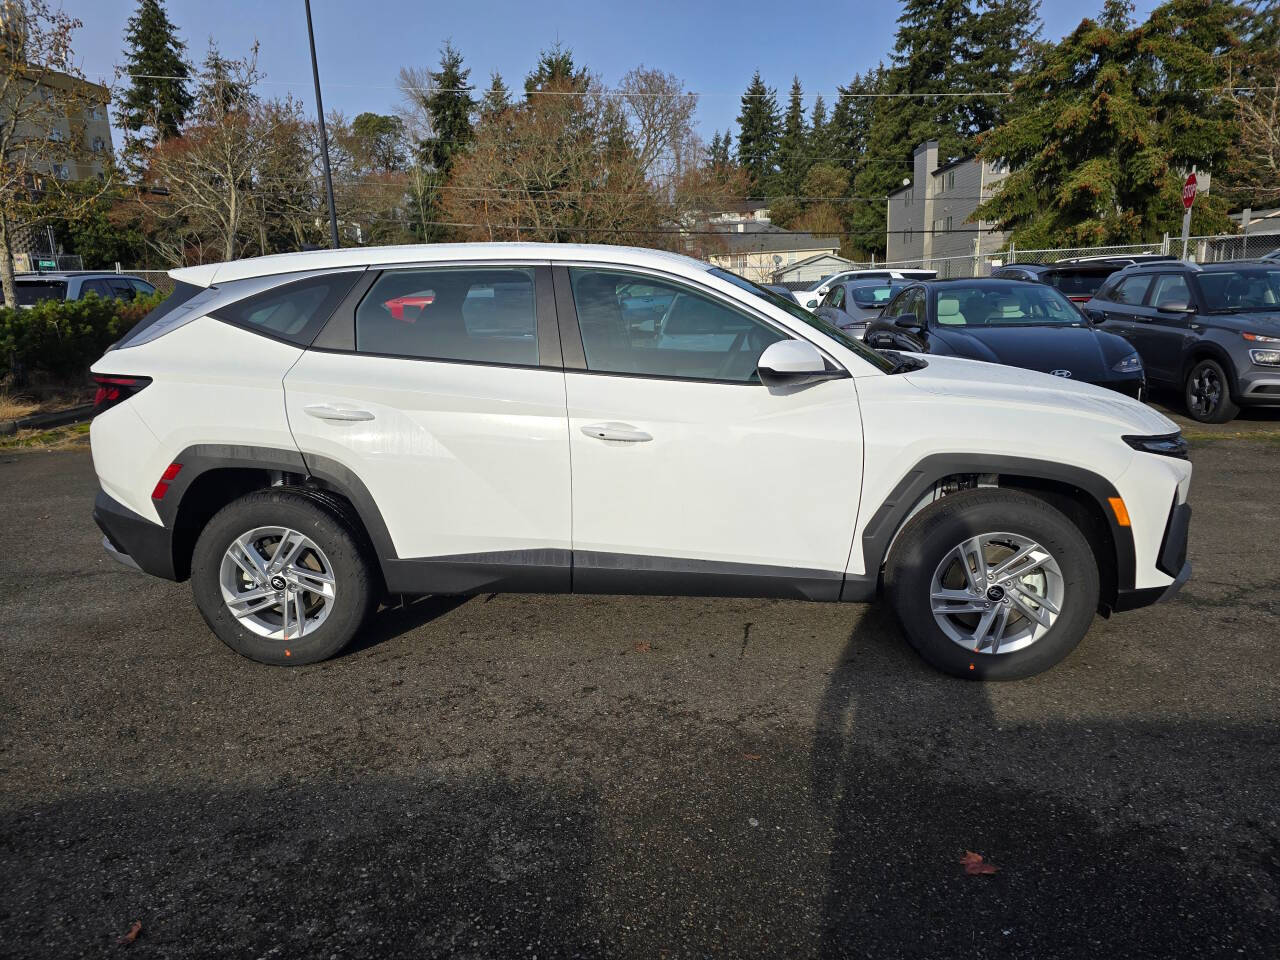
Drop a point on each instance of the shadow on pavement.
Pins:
(384, 868)
(914, 769)
(407, 613)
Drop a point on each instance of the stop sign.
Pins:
(1189, 191)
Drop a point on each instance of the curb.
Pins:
(47, 420)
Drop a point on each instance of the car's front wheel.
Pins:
(282, 578)
(1208, 393)
(992, 584)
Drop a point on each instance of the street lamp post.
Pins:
(324, 139)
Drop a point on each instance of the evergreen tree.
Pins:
(820, 148)
(153, 51)
(758, 129)
(793, 147)
(449, 105)
(1121, 113)
(1001, 39)
(929, 65)
(496, 100)
(227, 84)
(556, 69)
(850, 124)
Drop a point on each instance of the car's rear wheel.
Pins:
(1207, 393)
(992, 584)
(281, 578)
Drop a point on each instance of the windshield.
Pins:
(1249, 288)
(31, 292)
(1004, 304)
(813, 320)
(873, 296)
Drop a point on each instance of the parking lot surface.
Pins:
(521, 776)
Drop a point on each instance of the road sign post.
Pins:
(1188, 198)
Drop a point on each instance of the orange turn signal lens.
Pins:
(1120, 510)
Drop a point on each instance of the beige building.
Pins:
(759, 250)
(929, 219)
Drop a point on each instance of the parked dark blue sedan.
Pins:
(1021, 324)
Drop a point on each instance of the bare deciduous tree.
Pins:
(44, 102)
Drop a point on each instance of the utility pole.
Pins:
(324, 139)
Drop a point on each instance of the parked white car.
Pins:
(813, 298)
(302, 435)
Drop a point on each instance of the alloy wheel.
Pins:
(997, 593)
(277, 582)
(1204, 392)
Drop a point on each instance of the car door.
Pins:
(690, 475)
(884, 333)
(452, 415)
(1160, 337)
(1117, 305)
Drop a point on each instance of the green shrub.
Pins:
(62, 338)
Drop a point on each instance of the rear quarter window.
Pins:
(31, 292)
(294, 312)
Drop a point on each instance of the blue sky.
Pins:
(713, 47)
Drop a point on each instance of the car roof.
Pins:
(1219, 267)
(435, 253)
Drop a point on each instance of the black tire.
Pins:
(355, 591)
(935, 531)
(1207, 393)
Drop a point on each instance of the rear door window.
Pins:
(1131, 291)
(471, 314)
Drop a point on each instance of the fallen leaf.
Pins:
(132, 935)
(642, 647)
(751, 756)
(974, 865)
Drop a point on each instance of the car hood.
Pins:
(1264, 321)
(1087, 353)
(1017, 387)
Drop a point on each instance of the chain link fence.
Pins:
(1209, 249)
(159, 279)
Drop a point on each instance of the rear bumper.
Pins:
(134, 540)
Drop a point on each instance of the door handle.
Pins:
(616, 431)
(322, 411)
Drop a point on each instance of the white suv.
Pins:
(303, 435)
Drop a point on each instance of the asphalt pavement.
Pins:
(526, 776)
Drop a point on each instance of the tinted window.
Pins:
(144, 289)
(33, 291)
(122, 289)
(836, 297)
(1131, 290)
(1170, 288)
(696, 337)
(480, 315)
(1011, 304)
(295, 311)
(871, 296)
(99, 288)
(1078, 283)
(1256, 288)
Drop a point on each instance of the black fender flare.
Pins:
(889, 517)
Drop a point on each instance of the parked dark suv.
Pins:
(1210, 330)
(1079, 277)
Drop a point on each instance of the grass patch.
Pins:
(59, 438)
(15, 408)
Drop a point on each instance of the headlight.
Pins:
(1266, 358)
(1166, 445)
(1259, 338)
(1130, 364)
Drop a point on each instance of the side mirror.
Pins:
(907, 321)
(790, 363)
(811, 304)
(1174, 306)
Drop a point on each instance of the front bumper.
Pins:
(1172, 560)
(134, 540)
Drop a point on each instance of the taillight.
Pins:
(114, 389)
(166, 478)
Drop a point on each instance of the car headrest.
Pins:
(949, 310)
